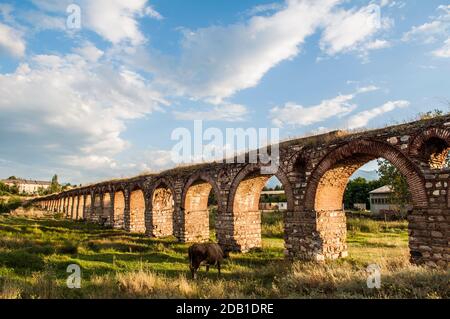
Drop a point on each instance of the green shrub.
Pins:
(363, 225)
(68, 248)
(12, 204)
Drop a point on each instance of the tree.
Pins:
(12, 178)
(390, 175)
(54, 186)
(357, 191)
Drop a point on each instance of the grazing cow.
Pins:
(208, 253)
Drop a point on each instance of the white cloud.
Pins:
(443, 52)
(69, 101)
(114, 20)
(42, 21)
(90, 52)
(353, 30)
(438, 29)
(264, 8)
(11, 41)
(227, 112)
(377, 44)
(298, 115)
(292, 114)
(218, 61)
(427, 32)
(152, 13)
(362, 119)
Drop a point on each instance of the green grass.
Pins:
(35, 253)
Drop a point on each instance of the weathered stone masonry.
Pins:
(314, 172)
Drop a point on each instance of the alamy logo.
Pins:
(74, 279)
(374, 278)
(74, 18)
(239, 145)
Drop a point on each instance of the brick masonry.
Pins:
(314, 172)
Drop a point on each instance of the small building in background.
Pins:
(25, 186)
(274, 203)
(380, 200)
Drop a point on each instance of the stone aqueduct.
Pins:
(314, 172)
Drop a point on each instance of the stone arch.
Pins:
(431, 147)
(137, 210)
(118, 208)
(325, 190)
(194, 201)
(160, 215)
(328, 180)
(243, 205)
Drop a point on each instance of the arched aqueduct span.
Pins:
(314, 172)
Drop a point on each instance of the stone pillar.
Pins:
(70, 208)
(126, 211)
(429, 233)
(97, 210)
(108, 211)
(87, 207)
(80, 208)
(159, 218)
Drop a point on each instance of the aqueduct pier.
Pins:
(314, 172)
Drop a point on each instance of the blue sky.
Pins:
(102, 100)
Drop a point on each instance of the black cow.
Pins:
(208, 253)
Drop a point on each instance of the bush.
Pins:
(272, 225)
(12, 204)
(363, 225)
(68, 248)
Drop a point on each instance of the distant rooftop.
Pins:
(386, 189)
(26, 181)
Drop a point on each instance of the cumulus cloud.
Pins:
(361, 119)
(114, 20)
(292, 114)
(76, 106)
(11, 41)
(227, 113)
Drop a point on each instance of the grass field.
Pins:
(35, 253)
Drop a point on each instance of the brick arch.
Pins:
(194, 203)
(204, 178)
(431, 146)
(254, 169)
(165, 182)
(160, 215)
(243, 205)
(348, 158)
